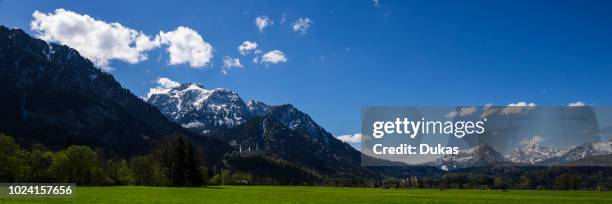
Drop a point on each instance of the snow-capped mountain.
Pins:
(258, 108)
(53, 96)
(580, 152)
(203, 110)
(275, 131)
(195, 107)
(536, 153)
(476, 156)
(532, 153)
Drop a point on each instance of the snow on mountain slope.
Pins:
(480, 155)
(258, 108)
(195, 107)
(580, 152)
(532, 153)
(203, 110)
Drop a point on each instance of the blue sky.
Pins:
(356, 53)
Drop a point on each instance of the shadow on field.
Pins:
(214, 187)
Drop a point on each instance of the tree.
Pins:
(77, 164)
(390, 183)
(501, 183)
(525, 182)
(148, 171)
(39, 162)
(567, 181)
(179, 162)
(12, 160)
(119, 172)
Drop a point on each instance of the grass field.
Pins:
(285, 194)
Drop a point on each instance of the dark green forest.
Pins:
(176, 162)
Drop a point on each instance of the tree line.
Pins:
(175, 161)
(507, 177)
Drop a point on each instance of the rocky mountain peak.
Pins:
(258, 108)
(195, 107)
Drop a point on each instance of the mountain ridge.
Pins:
(532, 154)
(191, 105)
(54, 96)
(277, 131)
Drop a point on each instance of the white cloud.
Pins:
(488, 110)
(167, 83)
(302, 25)
(101, 42)
(376, 3)
(262, 22)
(522, 103)
(576, 104)
(518, 107)
(462, 112)
(229, 63)
(467, 111)
(164, 85)
(96, 40)
(534, 140)
(272, 57)
(351, 139)
(246, 47)
(186, 46)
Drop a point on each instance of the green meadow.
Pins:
(290, 194)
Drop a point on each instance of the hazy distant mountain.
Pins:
(532, 153)
(53, 96)
(535, 153)
(602, 160)
(588, 150)
(481, 155)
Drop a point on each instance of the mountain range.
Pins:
(276, 131)
(51, 95)
(203, 110)
(532, 154)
